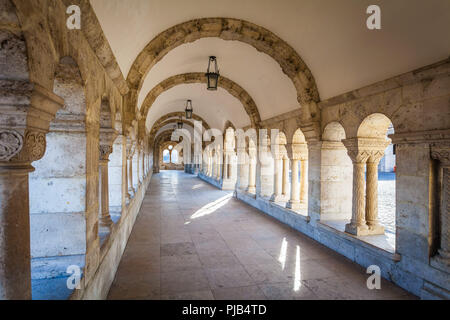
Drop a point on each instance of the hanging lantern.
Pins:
(180, 123)
(212, 75)
(189, 110)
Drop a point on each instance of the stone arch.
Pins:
(228, 124)
(298, 137)
(228, 29)
(197, 77)
(333, 131)
(161, 137)
(173, 118)
(179, 113)
(374, 125)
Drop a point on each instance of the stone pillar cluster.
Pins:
(299, 184)
(365, 153)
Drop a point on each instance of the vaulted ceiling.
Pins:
(330, 36)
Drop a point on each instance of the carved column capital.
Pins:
(361, 150)
(16, 147)
(105, 151)
(299, 151)
(441, 152)
(11, 144)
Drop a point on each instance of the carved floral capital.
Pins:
(441, 152)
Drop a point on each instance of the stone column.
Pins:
(252, 171)
(15, 267)
(131, 190)
(278, 168)
(304, 180)
(294, 202)
(365, 202)
(138, 156)
(105, 221)
(26, 112)
(144, 171)
(357, 225)
(441, 152)
(285, 178)
(372, 192)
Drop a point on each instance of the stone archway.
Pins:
(173, 118)
(228, 29)
(197, 77)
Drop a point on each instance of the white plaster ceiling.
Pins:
(260, 75)
(331, 37)
(215, 107)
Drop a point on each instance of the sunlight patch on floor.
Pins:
(212, 206)
(297, 278)
(282, 257)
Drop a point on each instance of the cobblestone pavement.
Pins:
(386, 200)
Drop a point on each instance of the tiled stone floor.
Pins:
(193, 241)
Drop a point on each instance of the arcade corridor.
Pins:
(193, 241)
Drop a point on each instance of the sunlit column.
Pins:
(294, 202)
(359, 157)
(304, 180)
(252, 172)
(278, 176)
(372, 192)
(285, 187)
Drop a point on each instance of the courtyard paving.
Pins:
(193, 241)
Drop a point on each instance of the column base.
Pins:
(251, 190)
(106, 222)
(376, 229)
(278, 198)
(295, 205)
(357, 230)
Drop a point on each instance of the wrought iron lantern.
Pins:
(189, 110)
(212, 75)
(180, 123)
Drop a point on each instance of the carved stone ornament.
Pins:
(11, 143)
(441, 152)
(35, 143)
(105, 151)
